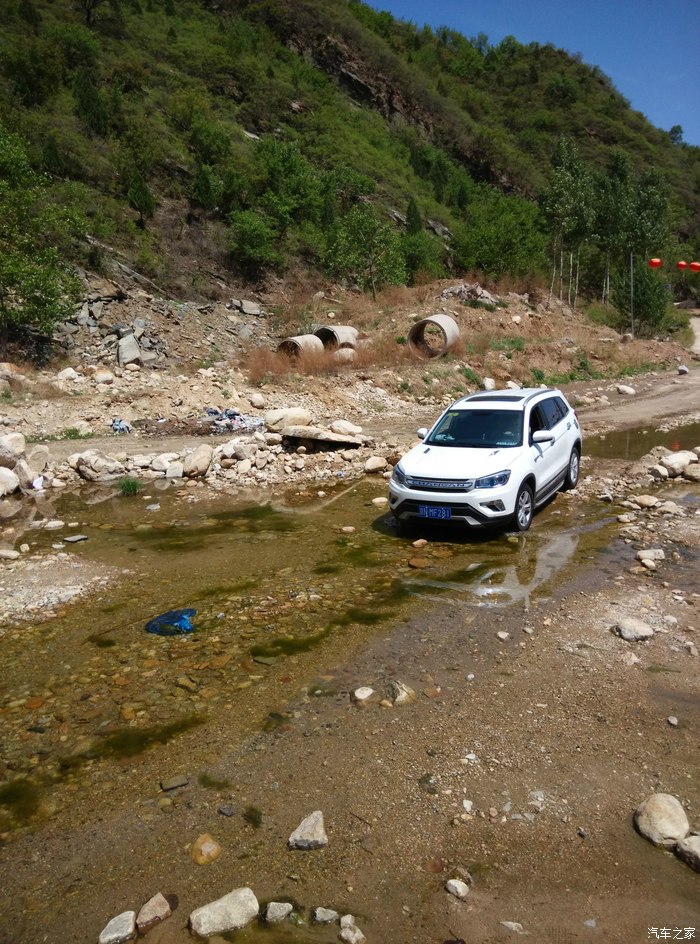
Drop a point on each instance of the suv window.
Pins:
(478, 429)
(553, 411)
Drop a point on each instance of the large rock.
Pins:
(128, 351)
(38, 459)
(9, 482)
(310, 833)
(692, 472)
(12, 447)
(197, 463)
(103, 376)
(277, 911)
(662, 820)
(236, 449)
(688, 850)
(292, 416)
(376, 464)
(161, 462)
(24, 474)
(95, 466)
(632, 629)
(156, 909)
(316, 434)
(345, 428)
(230, 913)
(121, 928)
(677, 462)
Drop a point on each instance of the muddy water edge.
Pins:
(543, 731)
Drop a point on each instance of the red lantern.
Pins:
(682, 264)
(695, 266)
(655, 263)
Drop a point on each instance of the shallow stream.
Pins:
(280, 590)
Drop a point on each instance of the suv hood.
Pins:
(455, 462)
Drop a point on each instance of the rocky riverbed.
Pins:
(477, 760)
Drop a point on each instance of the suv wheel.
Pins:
(523, 508)
(572, 471)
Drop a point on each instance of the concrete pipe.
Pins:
(334, 336)
(433, 336)
(301, 343)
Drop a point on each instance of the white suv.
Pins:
(490, 458)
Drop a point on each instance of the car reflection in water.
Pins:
(501, 583)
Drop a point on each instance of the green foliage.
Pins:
(72, 432)
(252, 241)
(508, 345)
(103, 90)
(140, 198)
(366, 250)
(471, 375)
(645, 307)
(503, 234)
(128, 485)
(207, 188)
(36, 289)
(90, 104)
(414, 221)
(423, 257)
(34, 69)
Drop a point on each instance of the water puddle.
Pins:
(279, 589)
(634, 443)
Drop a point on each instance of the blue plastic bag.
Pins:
(172, 623)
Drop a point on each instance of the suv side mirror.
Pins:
(422, 432)
(543, 436)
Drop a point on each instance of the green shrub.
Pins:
(508, 345)
(252, 241)
(470, 375)
(128, 485)
(73, 433)
(651, 299)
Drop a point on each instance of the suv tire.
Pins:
(572, 470)
(522, 519)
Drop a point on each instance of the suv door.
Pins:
(555, 416)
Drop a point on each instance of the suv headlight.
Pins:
(398, 475)
(493, 481)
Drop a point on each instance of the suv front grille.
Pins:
(440, 485)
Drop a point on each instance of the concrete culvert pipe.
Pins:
(433, 336)
(333, 336)
(306, 343)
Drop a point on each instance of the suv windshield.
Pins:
(479, 429)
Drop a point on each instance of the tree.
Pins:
(37, 289)
(423, 255)
(614, 211)
(89, 103)
(366, 250)
(207, 188)
(676, 134)
(252, 241)
(414, 221)
(568, 206)
(88, 7)
(140, 198)
(503, 235)
(650, 298)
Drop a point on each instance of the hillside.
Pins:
(215, 145)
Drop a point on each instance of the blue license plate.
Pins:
(434, 511)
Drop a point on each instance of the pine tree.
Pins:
(414, 221)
